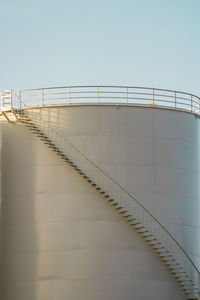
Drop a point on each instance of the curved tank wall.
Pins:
(153, 153)
(61, 239)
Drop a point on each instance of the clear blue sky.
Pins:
(152, 43)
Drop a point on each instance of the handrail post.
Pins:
(98, 94)
(69, 95)
(127, 95)
(175, 100)
(191, 103)
(42, 97)
(20, 100)
(11, 99)
(199, 105)
(153, 97)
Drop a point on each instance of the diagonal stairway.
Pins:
(156, 235)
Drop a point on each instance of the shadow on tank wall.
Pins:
(19, 236)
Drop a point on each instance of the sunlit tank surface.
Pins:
(61, 239)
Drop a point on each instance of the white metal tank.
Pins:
(62, 240)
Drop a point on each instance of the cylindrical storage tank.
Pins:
(62, 240)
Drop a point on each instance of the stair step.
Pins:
(167, 258)
(170, 263)
(164, 254)
(80, 172)
(183, 281)
(29, 122)
(35, 132)
(142, 231)
(35, 129)
(127, 216)
(45, 139)
(29, 125)
(110, 199)
(123, 211)
(54, 148)
(177, 271)
(150, 238)
(187, 287)
(192, 285)
(193, 296)
(75, 167)
(155, 243)
(161, 250)
(137, 225)
(186, 277)
(148, 234)
(177, 268)
(131, 220)
(182, 278)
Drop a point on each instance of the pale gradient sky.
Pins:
(153, 43)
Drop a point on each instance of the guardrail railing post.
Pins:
(153, 97)
(11, 99)
(98, 94)
(20, 100)
(175, 100)
(42, 97)
(191, 103)
(69, 95)
(199, 105)
(127, 95)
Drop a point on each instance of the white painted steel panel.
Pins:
(62, 240)
(153, 153)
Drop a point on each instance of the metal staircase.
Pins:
(157, 236)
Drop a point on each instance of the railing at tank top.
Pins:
(122, 95)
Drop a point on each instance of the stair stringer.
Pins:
(168, 249)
